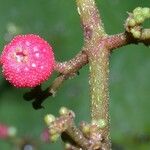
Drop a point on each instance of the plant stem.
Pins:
(98, 56)
(77, 136)
(98, 80)
(90, 19)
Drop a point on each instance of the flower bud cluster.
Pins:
(135, 19)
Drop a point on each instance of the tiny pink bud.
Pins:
(45, 135)
(27, 61)
(3, 131)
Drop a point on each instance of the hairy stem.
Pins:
(90, 19)
(98, 80)
(73, 65)
(98, 65)
(98, 56)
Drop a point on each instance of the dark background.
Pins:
(58, 22)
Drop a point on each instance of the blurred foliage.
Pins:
(58, 22)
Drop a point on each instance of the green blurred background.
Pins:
(58, 22)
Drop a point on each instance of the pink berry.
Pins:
(27, 61)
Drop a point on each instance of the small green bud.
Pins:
(137, 11)
(94, 122)
(146, 34)
(54, 137)
(52, 131)
(131, 22)
(86, 129)
(136, 34)
(146, 12)
(67, 146)
(63, 111)
(49, 119)
(139, 19)
(12, 131)
(102, 123)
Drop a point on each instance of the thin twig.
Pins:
(73, 65)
